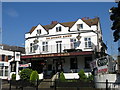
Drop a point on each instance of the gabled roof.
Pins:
(89, 22)
(32, 29)
(13, 48)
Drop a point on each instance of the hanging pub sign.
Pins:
(17, 56)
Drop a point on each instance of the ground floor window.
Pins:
(87, 62)
(73, 63)
(3, 70)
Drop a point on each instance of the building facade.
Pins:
(67, 47)
(8, 61)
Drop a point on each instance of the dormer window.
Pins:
(39, 31)
(58, 29)
(79, 26)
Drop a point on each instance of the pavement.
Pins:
(44, 85)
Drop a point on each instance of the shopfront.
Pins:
(66, 62)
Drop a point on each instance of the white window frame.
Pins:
(79, 26)
(88, 43)
(45, 46)
(58, 29)
(32, 50)
(73, 43)
(39, 31)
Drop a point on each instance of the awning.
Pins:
(57, 54)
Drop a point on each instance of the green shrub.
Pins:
(25, 74)
(90, 77)
(34, 76)
(13, 76)
(62, 77)
(82, 75)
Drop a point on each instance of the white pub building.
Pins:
(67, 46)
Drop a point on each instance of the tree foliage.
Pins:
(62, 77)
(115, 17)
(34, 76)
(25, 74)
(13, 76)
(82, 75)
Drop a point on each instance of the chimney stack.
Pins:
(54, 22)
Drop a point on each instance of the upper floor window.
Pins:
(58, 29)
(88, 43)
(32, 47)
(73, 43)
(45, 46)
(79, 26)
(39, 31)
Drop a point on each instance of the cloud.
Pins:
(12, 12)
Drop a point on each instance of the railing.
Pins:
(60, 48)
(0, 84)
(61, 85)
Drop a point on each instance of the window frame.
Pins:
(58, 29)
(87, 42)
(45, 46)
(79, 26)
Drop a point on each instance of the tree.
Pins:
(25, 74)
(82, 75)
(115, 17)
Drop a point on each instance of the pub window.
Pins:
(45, 46)
(87, 62)
(39, 31)
(58, 29)
(73, 43)
(88, 43)
(32, 49)
(73, 63)
(79, 26)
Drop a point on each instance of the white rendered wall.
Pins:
(86, 32)
(114, 78)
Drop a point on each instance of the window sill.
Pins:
(88, 48)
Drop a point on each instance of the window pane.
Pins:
(60, 28)
(89, 44)
(85, 39)
(43, 43)
(85, 44)
(81, 26)
(71, 40)
(89, 38)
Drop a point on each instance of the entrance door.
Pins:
(59, 46)
(37, 65)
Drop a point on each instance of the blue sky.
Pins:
(19, 17)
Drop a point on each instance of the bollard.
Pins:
(0, 84)
(106, 84)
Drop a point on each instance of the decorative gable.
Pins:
(80, 25)
(37, 30)
(58, 29)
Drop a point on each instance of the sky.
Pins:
(19, 17)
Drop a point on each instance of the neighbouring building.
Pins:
(8, 56)
(67, 46)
